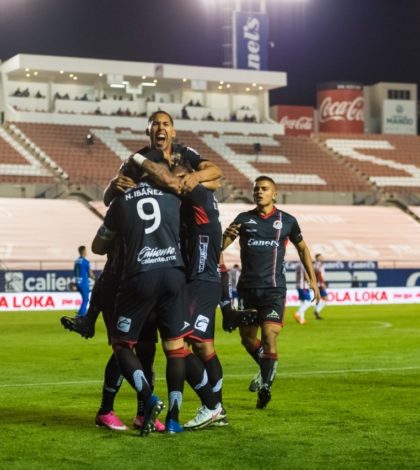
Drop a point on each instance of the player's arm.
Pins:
(116, 186)
(230, 235)
(305, 257)
(107, 231)
(213, 185)
(207, 171)
(158, 173)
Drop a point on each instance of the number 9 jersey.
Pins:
(148, 221)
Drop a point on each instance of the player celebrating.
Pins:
(148, 221)
(263, 235)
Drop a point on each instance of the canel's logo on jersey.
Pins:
(251, 221)
(268, 243)
(277, 224)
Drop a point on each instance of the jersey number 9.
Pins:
(153, 215)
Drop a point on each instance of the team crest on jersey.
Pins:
(277, 224)
(201, 323)
(123, 324)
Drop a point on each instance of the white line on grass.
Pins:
(236, 376)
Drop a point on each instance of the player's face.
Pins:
(161, 132)
(264, 193)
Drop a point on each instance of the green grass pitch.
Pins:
(347, 396)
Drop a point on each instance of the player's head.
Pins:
(264, 191)
(82, 250)
(160, 130)
(318, 257)
(133, 171)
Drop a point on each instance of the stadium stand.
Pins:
(18, 165)
(390, 162)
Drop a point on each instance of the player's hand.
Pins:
(314, 286)
(232, 231)
(121, 183)
(189, 182)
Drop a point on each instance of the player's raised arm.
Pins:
(158, 173)
(116, 186)
(207, 171)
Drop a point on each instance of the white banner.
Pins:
(40, 301)
(399, 117)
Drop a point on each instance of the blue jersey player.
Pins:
(82, 273)
(263, 235)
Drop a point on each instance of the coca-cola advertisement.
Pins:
(340, 107)
(297, 120)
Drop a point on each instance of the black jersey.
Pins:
(202, 234)
(263, 241)
(187, 153)
(148, 221)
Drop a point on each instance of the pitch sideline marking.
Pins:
(287, 374)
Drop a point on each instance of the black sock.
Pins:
(132, 371)
(197, 378)
(112, 383)
(215, 374)
(146, 353)
(257, 352)
(268, 368)
(175, 377)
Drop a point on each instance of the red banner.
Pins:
(297, 120)
(340, 107)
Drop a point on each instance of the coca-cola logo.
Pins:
(301, 123)
(330, 110)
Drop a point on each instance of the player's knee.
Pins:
(203, 349)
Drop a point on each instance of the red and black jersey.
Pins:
(263, 240)
(202, 234)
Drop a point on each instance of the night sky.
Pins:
(314, 40)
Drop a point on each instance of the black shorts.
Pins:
(270, 303)
(103, 297)
(203, 299)
(160, 291)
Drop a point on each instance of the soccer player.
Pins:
(322, 285)
(303, 293)
(263, 235)
(202, 238)
(82, 273)
(103, 300)
(148, 220)
(162, 133)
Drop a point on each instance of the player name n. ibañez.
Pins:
(269, 243)
(251, 34)
(145, 191)
(149, 255)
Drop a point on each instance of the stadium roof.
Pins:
(42, 68)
